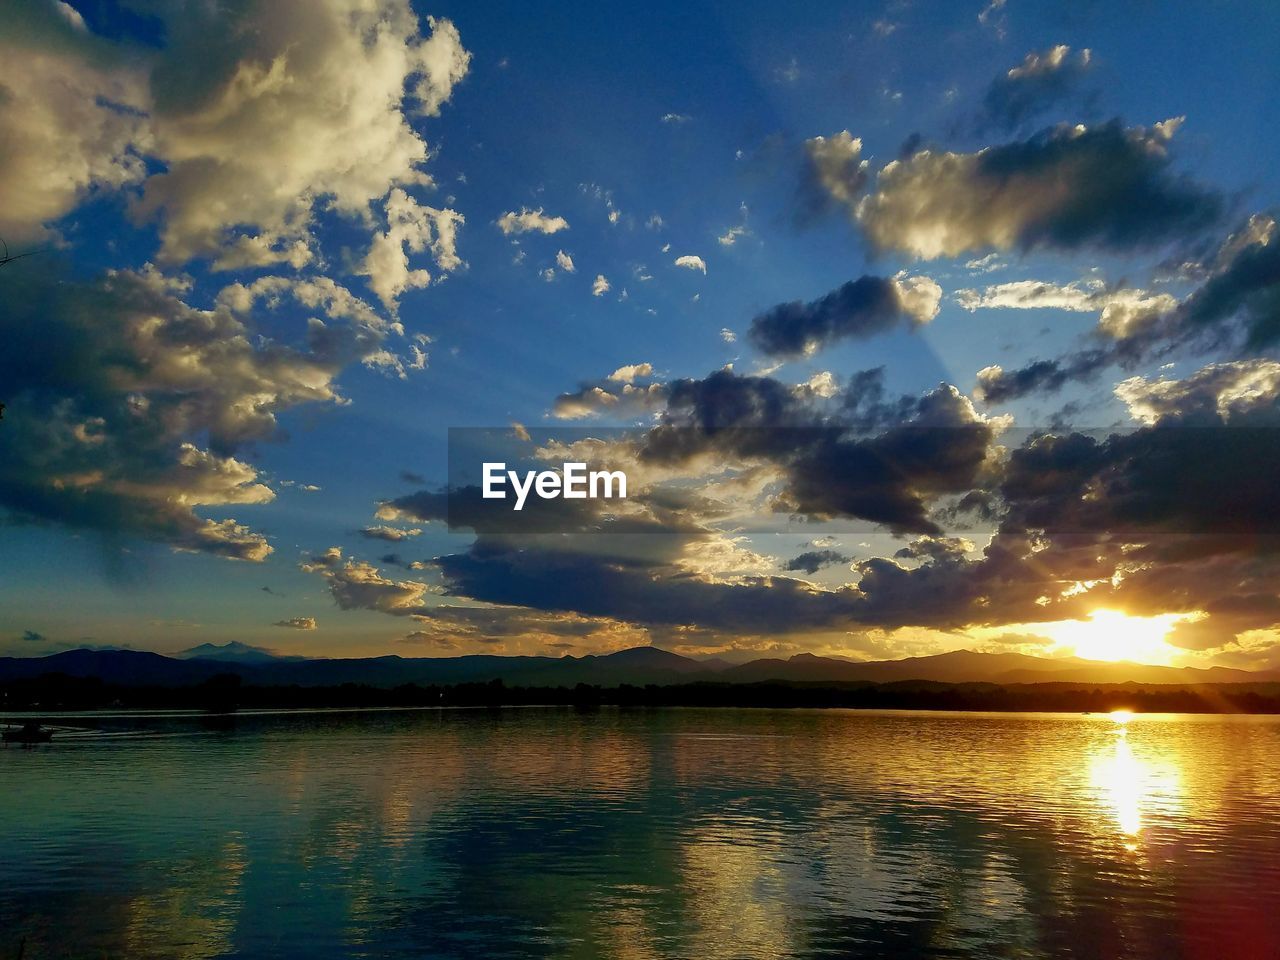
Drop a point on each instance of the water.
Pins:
(673, 833)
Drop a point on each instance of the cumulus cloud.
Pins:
(392, 534)
(629, 373)
(811, 561)
(530, 221)
(1066, 187)
(834, 173)
(1233, 308)
(1121, 311)
(599, 286)
(297, 623)
(262, 119)
(71, 109)
(565, 262)
(110, 384)
(691, 262)
(1240, 390)
(622, 393)
(860, 308)
(357, 585)
(1043, 79)
(411, 228)
(71, 106)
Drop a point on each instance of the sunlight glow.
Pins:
(1111, 635)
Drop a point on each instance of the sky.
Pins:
(917, 327)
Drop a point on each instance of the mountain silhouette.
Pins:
(636, 665)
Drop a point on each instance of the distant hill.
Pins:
(967, 666)
(234, 651)
(638, 666)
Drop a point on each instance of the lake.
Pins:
(667, 833)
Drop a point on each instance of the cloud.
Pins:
(630, 372)
(997, 385)
(728, 336)
(924, 447)
(565, 262)
(731, 235)
(357, 585)
(594, 398)
(1121, 311)
(411, 228)
(71, 106)
(1234, 308)
(111, 382)
(297, 623)
(1242, 289)
(1067, 187)
(690, 262)
(812, 561)
(530, 221)
(676, 118)
(1240, 390)
(834, 174)
(860, 308)
(263, 118)
(1024, 92)
(391, 534)
(31, 636)
(599, 286)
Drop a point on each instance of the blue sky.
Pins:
(653, 133)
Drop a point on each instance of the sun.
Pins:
(1112, 635)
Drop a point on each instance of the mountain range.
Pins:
(637, 665)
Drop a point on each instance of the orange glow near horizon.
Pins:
(1111, 636)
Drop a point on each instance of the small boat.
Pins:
(28, 733)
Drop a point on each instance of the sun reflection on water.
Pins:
(1133, 786)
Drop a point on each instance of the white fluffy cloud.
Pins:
(599, 286)
(691, 262)
(357, 585)
(630, 372)
(411, 228)
(70, 110)
(256, 120)
(1215, 393)
(530, 221)
(1121, 312)
(837, 167)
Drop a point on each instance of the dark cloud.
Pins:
(1235, 308)
(1042, 80)
(997, 385)
(811, 561)
(1243, 290)
(297, 623)
(939, 445)
(126, 405)
(832, 175)
(31, 636)
(860, 308)
(1136, 521)
(1067, 187)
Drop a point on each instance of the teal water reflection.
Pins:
(673, 833)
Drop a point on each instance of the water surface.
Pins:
(669, 833)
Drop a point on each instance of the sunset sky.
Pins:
(993, 290)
